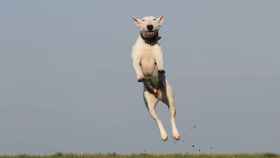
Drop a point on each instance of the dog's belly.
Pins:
(149, 67)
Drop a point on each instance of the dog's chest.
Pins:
(147, 53)
(148, 62)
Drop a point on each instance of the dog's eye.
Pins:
(143, 20)
(155, 19)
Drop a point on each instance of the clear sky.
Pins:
(67, 83)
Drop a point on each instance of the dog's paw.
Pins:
(165, 138)
(140, 80)
(176, 136)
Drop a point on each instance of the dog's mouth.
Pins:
(149, 34)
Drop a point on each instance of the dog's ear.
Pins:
(135, 18)
(137, 21)
(161, 20)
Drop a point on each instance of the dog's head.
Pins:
(149, 25)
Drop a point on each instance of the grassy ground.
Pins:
(60, 155)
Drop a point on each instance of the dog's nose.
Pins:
(150, 27)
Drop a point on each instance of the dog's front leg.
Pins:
(136, 60)
(159, 58)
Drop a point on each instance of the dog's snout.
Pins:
(150, 27)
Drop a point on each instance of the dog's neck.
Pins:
(151, 41)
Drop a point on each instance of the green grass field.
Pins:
(60, 155)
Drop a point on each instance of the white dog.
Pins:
(148, 64)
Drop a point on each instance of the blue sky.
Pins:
(67, 83)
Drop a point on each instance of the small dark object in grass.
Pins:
(58, 154)
(270, 155)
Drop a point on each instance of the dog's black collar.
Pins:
(151, 41)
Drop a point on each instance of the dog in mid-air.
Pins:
(148, 64)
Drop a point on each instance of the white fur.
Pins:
(142, 23)
(147, 60)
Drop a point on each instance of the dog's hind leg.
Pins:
(151, 102)
(168, 99)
